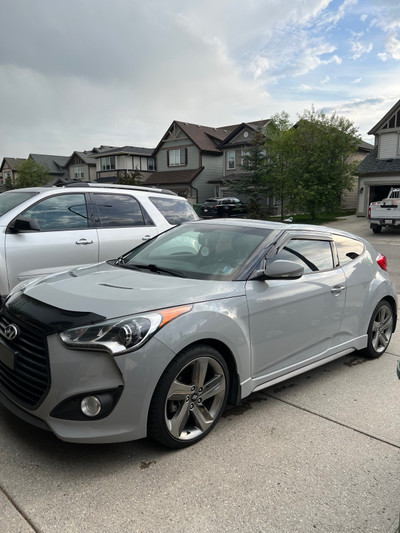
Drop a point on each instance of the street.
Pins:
(320, 452)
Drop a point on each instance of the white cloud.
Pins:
(305, 88)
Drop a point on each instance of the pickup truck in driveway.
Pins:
(386, 212)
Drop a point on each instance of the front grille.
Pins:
(29, 381)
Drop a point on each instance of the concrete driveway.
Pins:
(320, 452)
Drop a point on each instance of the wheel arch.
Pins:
(391, 301)
(234, 395)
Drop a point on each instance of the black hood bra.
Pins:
(46, 317)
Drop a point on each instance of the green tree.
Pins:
(316, 151)
(253, 182)
(275, 133)
(32, 174)
(130, 178)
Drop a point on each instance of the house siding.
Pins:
(212, 170)
(388, 145)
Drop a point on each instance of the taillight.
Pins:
(382, 262)
(369, 212)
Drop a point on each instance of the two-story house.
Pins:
(9, 169)
(81, 166)
(380, 170)
(190, 159)
(114, 163)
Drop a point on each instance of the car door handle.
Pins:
(84, 241)
(146, 237)
(338, 289)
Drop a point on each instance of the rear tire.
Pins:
(189, 398)
(376, 228)
(380, 330)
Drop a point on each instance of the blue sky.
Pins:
(83, 73)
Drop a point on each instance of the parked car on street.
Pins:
(222, 208)
(48, 229)
(158, 341)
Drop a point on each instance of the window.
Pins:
(63, 212)
(120, 210)
(78, 173)
(107, 163)
(313, 255)
(151, 163)
(177, 158)
(348, 249)
(174, 210)
(230, 159)
(245, 153)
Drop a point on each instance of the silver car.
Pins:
(157, 341)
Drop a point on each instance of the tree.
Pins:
(275, 133)
(317, 168)
(31, 174)
(130, 178)
(253, 182)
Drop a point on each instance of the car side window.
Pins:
(61, 212)
(175, 210)
(348, 249)
(120, 210)
(313, 255)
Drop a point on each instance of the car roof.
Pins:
(282, 226)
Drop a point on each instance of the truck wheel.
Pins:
(375, 228)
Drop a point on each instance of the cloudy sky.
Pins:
(75, 74)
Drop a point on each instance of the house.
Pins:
(349, 199)
(81, 166)
(380, 170)
(234, 147)
(190, 160)
(9, 169)
(55, 165)
(116, 162)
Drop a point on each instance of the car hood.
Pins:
(114, 291)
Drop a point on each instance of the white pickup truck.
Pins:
(386, 212)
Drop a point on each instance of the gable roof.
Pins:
(255, 126)
(12, 162)
(87, 155)
(380, 124)
(206, 138)
(55, 163)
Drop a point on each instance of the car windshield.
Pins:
(10, 199)
(198, 250)
(211, 201)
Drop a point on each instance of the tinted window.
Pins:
(348, 249)
(175, 210)
(62, 212)
(119, 210)
(9, 200)
(313, 255)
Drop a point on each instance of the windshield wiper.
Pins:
(154, 268)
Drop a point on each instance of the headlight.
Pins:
(120, 335)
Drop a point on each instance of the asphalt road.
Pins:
(320, 452)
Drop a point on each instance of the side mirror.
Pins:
(23, 225)
(280, 269)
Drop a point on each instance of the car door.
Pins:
(65, 238)
(122, 223)
(294, 322)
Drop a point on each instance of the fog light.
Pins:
(91, 406)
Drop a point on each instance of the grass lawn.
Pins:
(322, 218)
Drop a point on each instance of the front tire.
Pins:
(380, 330)
(189, 398)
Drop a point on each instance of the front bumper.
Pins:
(75, 372)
